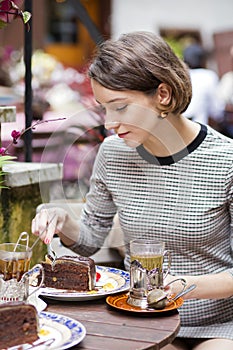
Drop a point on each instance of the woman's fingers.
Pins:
(48, 222)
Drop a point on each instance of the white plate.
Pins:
(34, 299)
(112, 281)
(64, 332)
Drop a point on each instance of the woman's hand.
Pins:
(211, 286)
(55, 221)
(174, 285)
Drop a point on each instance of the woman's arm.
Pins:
(86, 236)
(212, 286)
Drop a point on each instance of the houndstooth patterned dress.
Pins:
(184, 200)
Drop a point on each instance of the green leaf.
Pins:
(26, 16)
(6, 160)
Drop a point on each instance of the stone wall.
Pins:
(28, 186)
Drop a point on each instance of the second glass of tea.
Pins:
(14, 260)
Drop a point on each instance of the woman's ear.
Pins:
(164, 93)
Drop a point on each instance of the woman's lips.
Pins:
(122, 135)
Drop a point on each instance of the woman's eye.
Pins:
(121, 108)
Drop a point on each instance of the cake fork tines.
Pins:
(52, 253)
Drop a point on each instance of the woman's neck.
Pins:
(172, 135)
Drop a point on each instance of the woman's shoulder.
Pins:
(218, 138)
(219, 147)
(114, 148)
(114, 142)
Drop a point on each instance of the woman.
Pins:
(167, 177)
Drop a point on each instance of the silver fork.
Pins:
(38, 344)
(52, 253)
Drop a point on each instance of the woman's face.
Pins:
(131, 114)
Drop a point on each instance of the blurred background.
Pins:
(64, 34)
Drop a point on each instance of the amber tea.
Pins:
(14, 268)
(149, 262)
(14, 260)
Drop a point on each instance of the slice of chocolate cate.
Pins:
(18, 324)
(76, 273)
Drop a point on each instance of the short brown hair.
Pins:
(141, 61)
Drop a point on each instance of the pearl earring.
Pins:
(163, 114)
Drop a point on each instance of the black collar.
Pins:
(176, 156)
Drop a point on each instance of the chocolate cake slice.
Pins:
(18, 324)
(70, 272)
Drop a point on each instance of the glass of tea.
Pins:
(151, 255)
(14, 260)
(12, 290)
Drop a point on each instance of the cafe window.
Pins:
(73, 27)
(62, 22)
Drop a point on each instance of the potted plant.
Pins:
(10, 10)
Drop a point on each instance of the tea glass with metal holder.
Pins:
(147, 271)
(15, 273)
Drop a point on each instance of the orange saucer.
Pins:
(119, 301)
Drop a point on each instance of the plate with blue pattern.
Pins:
(65, 331)
(110, 281)
(56, 332)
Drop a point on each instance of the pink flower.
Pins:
(2, 150)
(9, 9)
(16, 135)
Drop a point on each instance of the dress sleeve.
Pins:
(98, 212)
